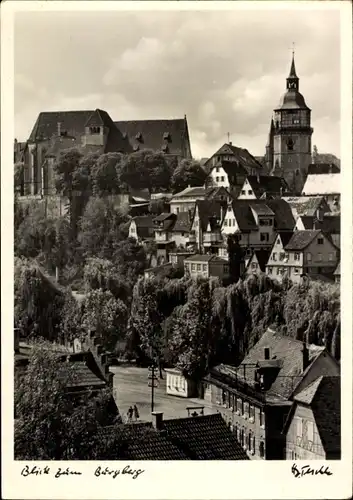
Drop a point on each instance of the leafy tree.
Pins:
(107, 315)
(99, 228)
(38, 301)
(130, 260)
(49, 423)
(105, 174)
(188, 173)
(103, 274)
(146, 169)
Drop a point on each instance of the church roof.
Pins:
(292, 99)
(322, 184)
(168, 136)
(292, 73)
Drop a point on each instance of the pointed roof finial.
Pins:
(292, 68)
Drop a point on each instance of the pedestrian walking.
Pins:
(136, 413)
(130, 413)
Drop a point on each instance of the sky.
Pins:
(225, 71)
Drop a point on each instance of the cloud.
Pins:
(225, 70)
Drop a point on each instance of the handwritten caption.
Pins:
(306, 470)
(64, 472)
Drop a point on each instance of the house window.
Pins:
(252, 412)
(299, 427)
(269, 270)
(319, 257)
(274, 256)
(233, 222)
(308, 257)
(254, 265)
(94, 130)
(217, 169)
(330, 256)
(250, 191)
(262, 418)
(240, 406)
(248, 251)
(310, 428)
(204, 267)
(199, 267)
(282, 256)
(177, 210)
(296, 256)
(262, 449)
(243, 191)
(296, 270)
(320, 241)
(246, 410)
(132, 229)
(192, 267)
(222, 178)
(264, 237)
(296, 121)
(279, 271)
(229, 209)
(217, 179)
(226, 222)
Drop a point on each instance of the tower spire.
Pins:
(292, 73)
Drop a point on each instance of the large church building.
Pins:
(288, 150)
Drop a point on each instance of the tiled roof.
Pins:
(182, 222)
(73, 124)
(205, 258)
(156, 135)
(323, 168)
(305, 205)
(283, 217)
(243, 156)
(83, 376)
(204, 438)
(262, 257)
(301, 239)
(143, 221)
(322, 184)
(284, 220)
(289, 352)
(267, 184)
(71, 121)
(285, 237)
(191, 192)
(193, 438)
(209, 212)
(331, 223)
(324, 398)
(232, 168)
(261, 209)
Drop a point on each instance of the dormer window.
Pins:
(94, 130)
(166, 136)
(138, 136)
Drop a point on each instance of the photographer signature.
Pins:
(306, 469)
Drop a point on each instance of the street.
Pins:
(131, 387)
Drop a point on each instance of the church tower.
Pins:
(289, 145)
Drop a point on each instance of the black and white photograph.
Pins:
(176, 189)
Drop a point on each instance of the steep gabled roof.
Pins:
(305, 205)
(330, 223)
(47, 124)
(190, 192)
(205, 437)
(242, 156)
(285, 237)
(262, 257)
(301, 239)
(209, 211)
(231, 168)
(183, 222)
(143, 221)
(290, 354)
(322, 184)
(324, 398)
(284, 220)
(267, 184)
(169, 136)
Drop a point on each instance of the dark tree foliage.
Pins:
(187, 173)
(235, 257)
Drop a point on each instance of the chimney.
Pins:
(157, 420)
(17, 339)
(189, 186)
(305, 356)
(59, 129)
(266, 352)
(230, 143)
